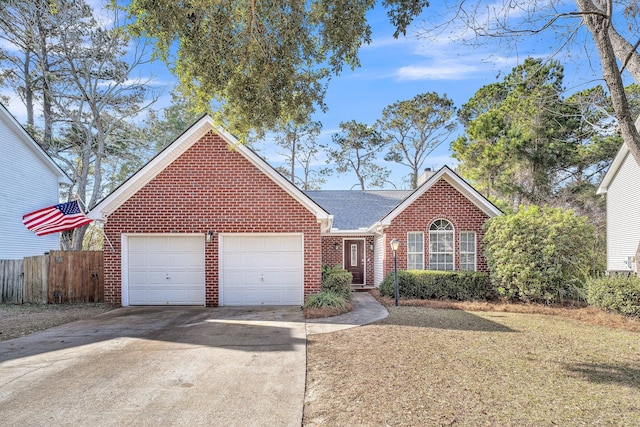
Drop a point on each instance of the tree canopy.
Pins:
(358, 147)
(263, 63)
(415, 128)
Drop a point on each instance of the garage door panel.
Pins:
(182, 260)
(138, 258)
(291, 296)
(283, 259)
(156, 260)
(166, 270)
(139, 245)
(262, 270)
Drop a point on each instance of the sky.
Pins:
(398, 69)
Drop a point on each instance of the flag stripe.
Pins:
(54, 219)
(35, 218)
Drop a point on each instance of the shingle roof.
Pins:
(353, 210)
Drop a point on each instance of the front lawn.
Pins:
(425, 366)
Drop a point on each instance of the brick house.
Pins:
(208, 222)
(439, 226)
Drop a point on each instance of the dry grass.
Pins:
(492, 367)
(20, 320)
(592, 315)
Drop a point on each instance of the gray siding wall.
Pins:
(27, 184)
(623, 216)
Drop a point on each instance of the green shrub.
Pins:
(337, 280)
(430, 284)
(326, 298)
(621, 294)
(539, 254)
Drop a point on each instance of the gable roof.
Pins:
(357, 210)
(456, 182)
(13, 124)
(199, 129)
(618, 160)
(369, 210)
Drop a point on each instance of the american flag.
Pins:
(56, 218)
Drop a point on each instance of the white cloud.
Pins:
(436, 72)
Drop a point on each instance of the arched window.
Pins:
(441, 249)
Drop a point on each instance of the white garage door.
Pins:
(262, 269)
(166, 270)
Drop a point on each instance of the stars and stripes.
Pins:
(56, 218)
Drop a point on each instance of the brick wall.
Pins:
(211, 187)
(441, 201)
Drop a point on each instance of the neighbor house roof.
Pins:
(618, 160)
(156, 165)
(28, 140)
(356, 210)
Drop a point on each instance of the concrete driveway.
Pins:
(159, 366)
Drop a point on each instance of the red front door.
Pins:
(354, 260)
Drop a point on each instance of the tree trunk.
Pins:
(598, 23)
(626, 54)
(28, 89)
(46, 83)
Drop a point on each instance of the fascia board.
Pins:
(621, 155)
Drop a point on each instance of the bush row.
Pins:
(430, 284)
(621, 294)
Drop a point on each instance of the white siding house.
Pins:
(620, 185)
(29, 180)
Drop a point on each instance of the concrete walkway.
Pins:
(366, 309)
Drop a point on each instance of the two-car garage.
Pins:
(253, 269)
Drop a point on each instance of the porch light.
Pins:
(336, 246)
(209, 237)
(395, 244)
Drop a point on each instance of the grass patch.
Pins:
(426, 366)
(577, 311)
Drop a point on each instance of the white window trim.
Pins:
(475, 249)
(438, 232)
(421, 253)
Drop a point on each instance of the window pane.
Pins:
(468, 250)
(441, 245)
(415, 251)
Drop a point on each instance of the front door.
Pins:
(354, 260)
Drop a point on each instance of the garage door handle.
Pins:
(168, 277)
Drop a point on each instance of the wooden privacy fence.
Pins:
(11, 281)
(57, 277)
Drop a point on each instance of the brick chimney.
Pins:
(424, 176)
